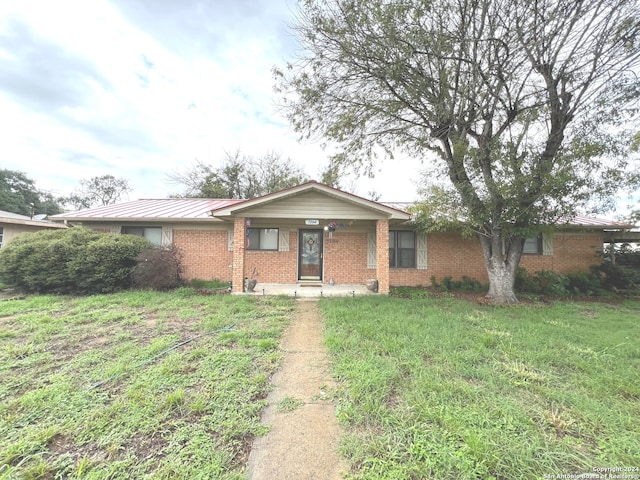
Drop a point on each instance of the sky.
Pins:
(140, 89)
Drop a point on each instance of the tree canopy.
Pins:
(19, 194)
(521, 105)
(98, 191)
(240, 176)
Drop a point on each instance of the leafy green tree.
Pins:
(240, 176)
(519, 105)
(98, 191)
(19, 194)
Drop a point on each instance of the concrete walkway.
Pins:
(303, 443)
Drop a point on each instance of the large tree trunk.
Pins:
(501, 257)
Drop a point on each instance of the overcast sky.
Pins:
(139, 88)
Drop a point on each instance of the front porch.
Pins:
(309, 290)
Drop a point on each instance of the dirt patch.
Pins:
(303, 441)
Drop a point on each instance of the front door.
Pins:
(310, 255)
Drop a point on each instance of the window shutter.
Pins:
(371, 250)
(547, 244)
(283, 240)
(115, 229)
(230, 240)
(422, 252)
(167, 236)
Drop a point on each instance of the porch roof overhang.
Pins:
(260, 206)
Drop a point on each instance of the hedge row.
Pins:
(75, 260)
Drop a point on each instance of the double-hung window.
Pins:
(402, 249)
(262, 239)
(153, 234)
(1, 236)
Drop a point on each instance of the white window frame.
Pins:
(394, 233)
(261, 233)
(125, 231)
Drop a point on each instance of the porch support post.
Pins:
(239, 241)
(382, 255)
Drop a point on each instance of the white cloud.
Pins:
(140, 88)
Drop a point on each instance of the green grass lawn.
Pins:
(446, 389)
(106, 387)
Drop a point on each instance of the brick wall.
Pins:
(572, 252)
(272, 266)
(451, 255)
(205, 254)
(345, 258)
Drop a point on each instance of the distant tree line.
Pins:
(19, 194)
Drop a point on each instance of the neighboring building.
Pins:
(13, 224)
(316, 233)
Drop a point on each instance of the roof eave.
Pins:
(31, 223)
(139, 219)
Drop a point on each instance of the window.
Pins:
(533, 246)
(402, 249)
(262, 239)
(153, 234)
(1, 236)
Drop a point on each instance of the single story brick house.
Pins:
(315, 233)
(14, 224)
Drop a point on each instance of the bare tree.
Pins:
(523, 103)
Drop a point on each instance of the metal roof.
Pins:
(17, 219)
(151, 209)
(16, 216)
(197, 209)
(584, 221)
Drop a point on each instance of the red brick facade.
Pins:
(206, 255)
(212, 236)
(572, 252)
(345, 258)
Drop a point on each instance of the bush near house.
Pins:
(624, 274)
(75, 260)
(158, 269)
(600, 280)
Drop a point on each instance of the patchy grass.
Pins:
(447, 389)
(289, 404)
(135, 385)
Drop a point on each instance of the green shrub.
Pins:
(619, 277)
(466, 284)
(544, 282)
(584, 283)
(75, 260)
(552, 283)
(158, 269)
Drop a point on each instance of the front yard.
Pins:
(171, 385)
(446, 389)
(105, 387)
